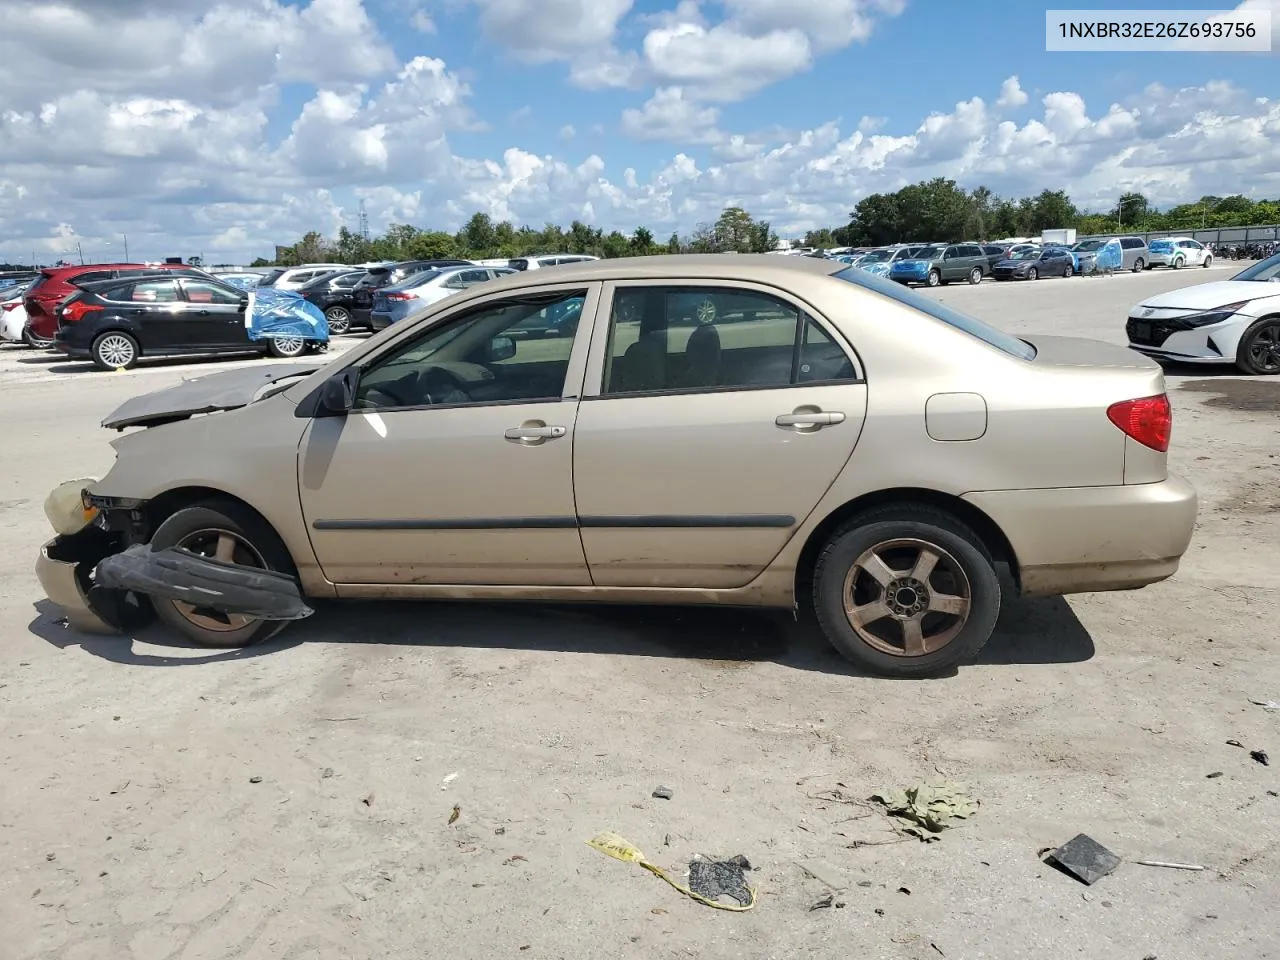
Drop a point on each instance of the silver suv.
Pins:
(1135, 253)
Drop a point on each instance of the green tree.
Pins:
(822, 239)
(1052, 209)
(674, 245)
(430, 245)
(641, 242)
(478, 236)
(734, 230)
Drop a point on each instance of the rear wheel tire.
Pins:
(1259, 350)
(339, 320)
(227, 531)
(114, 350)
(287, 348)
(934, 278)
(975, 276)
(1178, 263)
(1068, 270)
(30, 338)
(906, 591)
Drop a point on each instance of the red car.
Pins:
(56, 284)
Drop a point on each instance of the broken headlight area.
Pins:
(65, 569)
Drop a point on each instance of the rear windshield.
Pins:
(939, 311)
(1160, 246)
(518, 264)
(270, 279)
(927, 253)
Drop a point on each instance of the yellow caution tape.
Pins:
(612, 845)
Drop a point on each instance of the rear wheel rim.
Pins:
(230, 547)
(1264, 348)
(907, 597)
(115, 350)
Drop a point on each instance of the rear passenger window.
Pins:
(148, 291)
(689, 338)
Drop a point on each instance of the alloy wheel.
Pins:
(115, 350)
(1264, 348)
(907, 597)
(339, 319)
(228, 547)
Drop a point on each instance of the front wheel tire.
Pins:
(934, 278)
(1259, 350)
(286, 348)
(1138, 265)
(1033, 274)
(975, 276)
(906, 591)
(228, 531)
(1207, 261)
(339, 320)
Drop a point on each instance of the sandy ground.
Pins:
(131, 824)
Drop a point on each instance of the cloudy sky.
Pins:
(221, 127)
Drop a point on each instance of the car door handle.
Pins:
(816, 418)
(535, 433)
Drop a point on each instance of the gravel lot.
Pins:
(132, 823)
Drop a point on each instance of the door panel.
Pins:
(442, 496)
(683, 474)
(456, 465)
(703, 490)
(214, 316)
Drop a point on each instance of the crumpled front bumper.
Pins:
(63, 586)
(63, 569)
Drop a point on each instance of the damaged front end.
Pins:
(88, 534)
(100, 570)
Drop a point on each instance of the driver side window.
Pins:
(508, 351)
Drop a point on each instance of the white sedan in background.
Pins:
(397, 301)
(13, 315)
(1233, 321)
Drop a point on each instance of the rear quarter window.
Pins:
(1006, 343)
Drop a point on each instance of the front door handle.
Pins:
(814, 418)
(535, 432)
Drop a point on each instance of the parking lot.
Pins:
(294, 800)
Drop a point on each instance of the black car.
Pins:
(1033, 264)
(334, 294)
(115, 322)
(376, 278)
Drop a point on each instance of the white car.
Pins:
(1178, 252)
(13, 315)
(1232, 321)
(295, 277)
(547, 260)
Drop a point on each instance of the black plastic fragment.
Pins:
(713, 879)
(177, 574)
(1084, 858)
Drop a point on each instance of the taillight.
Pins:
(1149, 420)
(74, 311)
(401, 296)
(11, 305)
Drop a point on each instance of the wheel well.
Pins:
(170, 502)
(992, 536)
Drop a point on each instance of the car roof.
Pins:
(688, 266)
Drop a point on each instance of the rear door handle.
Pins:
(535, 433)
(824, 418)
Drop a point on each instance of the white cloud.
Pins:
(667, 115)
(1012, 94)
(189, 170)
(422, 22)
(539, 31)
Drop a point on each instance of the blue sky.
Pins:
(235, 126)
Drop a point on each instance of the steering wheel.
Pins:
(441, 386)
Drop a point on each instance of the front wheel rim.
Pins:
(907, 597)
(1264, 348)
(975, 277)
(933, 279)
(115, 351)
(289, 344)
(229, 547)
(1032, 274)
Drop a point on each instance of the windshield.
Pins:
(1025, 255)
(877, 256)
(939, 311)
(1087, 245)
(1265, 271)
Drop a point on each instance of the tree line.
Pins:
(932, 210)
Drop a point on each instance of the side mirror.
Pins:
(501, 348)
(244, 303)
(337, 396)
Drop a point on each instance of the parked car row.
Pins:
(116, 313)
(933, 264)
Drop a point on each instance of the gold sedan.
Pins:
(764, 431)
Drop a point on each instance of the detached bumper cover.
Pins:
(64, 570)
(175, 574)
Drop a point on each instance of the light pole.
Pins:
(1205, 208)
(126, 247)
(1120, 208)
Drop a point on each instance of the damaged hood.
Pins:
(218, 391)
